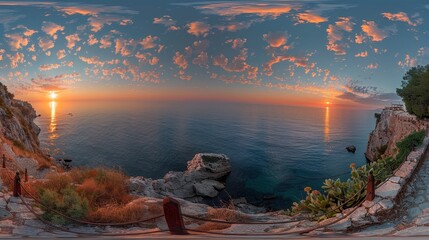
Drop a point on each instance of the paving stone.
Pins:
(414, 212)
(34, 223)
(26, 215)
(15, 200)
(7, 223)
(376, 230)
(374, 209)
(422, 220)
(413, 231)
(419, 199)
(15, 207)
(386, 204)
(388, 190)
(424, 205)
(26, 231)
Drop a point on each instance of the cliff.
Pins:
(16, 122)
(392, 125)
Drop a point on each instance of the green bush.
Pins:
(415, 91)
(339, 195)
(67, 201)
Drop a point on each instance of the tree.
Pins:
(415, 91)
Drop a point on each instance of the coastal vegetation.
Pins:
(415, 91)
(97, 194)
(338, 195)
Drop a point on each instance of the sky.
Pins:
(348, 53)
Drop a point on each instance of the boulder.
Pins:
(351, 149)
(201, 179)
(205, 190)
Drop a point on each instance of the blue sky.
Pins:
(292, 52)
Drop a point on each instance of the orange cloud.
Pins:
(257, 8)
(362, 54)
(180, 61)
(373, 32)
(51, 28)
(72, 40)
(310, 18)
(275, 40)
(149, 42)
(408, 62)
(16, 41)
(47, 67)
(198, 28)
(61, 54)
(15, 59)
(46, 43)
(335, 35)
(400, 16)
(237, 43)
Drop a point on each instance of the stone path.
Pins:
(413, 213)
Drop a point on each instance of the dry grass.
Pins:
(132, 211)
(210, 226)
(7, 177)
(42, 160)
(227, 215)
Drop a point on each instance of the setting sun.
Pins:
(328, 103)
(53, 95)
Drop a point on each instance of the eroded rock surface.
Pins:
(201, 179)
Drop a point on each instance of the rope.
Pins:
(39, 217)
(82, 221)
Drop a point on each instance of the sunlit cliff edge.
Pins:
(392, 125)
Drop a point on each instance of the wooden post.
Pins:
(17, 185)
(370, 187)
(4, 161)
(173, 216)
(26, 175)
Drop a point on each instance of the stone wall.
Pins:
(387, 195)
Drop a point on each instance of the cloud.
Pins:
(298, 61)
(400, 16)
(276, 39)
(46, 43)
(362, 54)
(375, 33)
(236, 64)
(335, 35)
(166, 21)
(92, 40)
(105, 41)
(180, 60)
(16, 59)
(408, 62)
(92, 60)
(149, 42)
(271, 9)
(8, 17)
(61, 54)
(237, 43)
(309, 17)
(98, 22)
(198, 28)
(372, 66)
(124, 47)
(72, 40)
(93, 9)
(16, 41)
(201, 59)
(27, 32)
(367, 95)
(47, 67)
(55, 83)
(51, 28)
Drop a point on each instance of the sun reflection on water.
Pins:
(326, 125)
(53, 123)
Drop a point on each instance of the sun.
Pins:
(328, 103)
(53, 95)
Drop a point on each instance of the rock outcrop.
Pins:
(201, 179)
(393, 124)
(16, 121)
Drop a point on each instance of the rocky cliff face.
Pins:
(393, 124)
(16, 121)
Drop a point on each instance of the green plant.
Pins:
(338, 195)
(414, 91)
(67, 201)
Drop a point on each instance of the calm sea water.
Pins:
(274, 150)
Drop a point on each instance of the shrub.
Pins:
(68, 201)
(338, 195)
(414, 91)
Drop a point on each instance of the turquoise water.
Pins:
(274, 150)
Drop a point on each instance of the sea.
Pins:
(275, 151)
